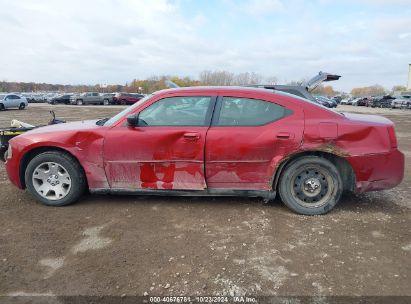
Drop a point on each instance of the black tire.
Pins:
(106, 102)
(301, 176)
(123, 102)
(22, 106)
(73, 168)
(79, 102)
(2, 108)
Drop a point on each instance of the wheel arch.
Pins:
(342, 165)
(29, 155)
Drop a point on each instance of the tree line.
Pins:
(149, 85)
(206, 78)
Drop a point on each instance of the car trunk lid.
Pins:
(367, 119)
(318, 79)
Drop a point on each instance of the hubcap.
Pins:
(312, 187)
(51, 181)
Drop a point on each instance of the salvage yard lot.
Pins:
(129, 245)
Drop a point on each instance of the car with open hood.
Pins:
(230, 141)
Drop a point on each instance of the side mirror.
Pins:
(132, 120)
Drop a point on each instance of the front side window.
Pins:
(176, 111)
(249, 112)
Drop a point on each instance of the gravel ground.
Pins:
(130, 245)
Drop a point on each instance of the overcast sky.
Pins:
(110, 42)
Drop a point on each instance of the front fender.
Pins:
(85, 147)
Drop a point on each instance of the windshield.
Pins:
(113, 119)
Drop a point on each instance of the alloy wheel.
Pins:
(51, 180)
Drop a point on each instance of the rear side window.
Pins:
(249, 112)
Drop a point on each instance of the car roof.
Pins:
(233, 89)
(211, 89)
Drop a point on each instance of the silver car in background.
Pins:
(8, 101)
(401, 102)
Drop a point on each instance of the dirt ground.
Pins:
(131, 245)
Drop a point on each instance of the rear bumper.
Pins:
(378, 171)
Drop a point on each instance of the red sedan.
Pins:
(126, 98)
(212, 141)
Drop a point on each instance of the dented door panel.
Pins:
(155, 158)
(246, 157)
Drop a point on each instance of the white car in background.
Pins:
(354, 102)
(8, 101)
(401, 102)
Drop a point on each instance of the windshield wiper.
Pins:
(102, 121)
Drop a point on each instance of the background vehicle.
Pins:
(88, 98)
(381, 101)
(8, 101)
(212, 141)
(401, 102)
(329, 103)
(38, 98)
(126, 98)
(65, 99)
(354, 102)
(108, 98)
(362, 101)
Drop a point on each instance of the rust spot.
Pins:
(332, 148)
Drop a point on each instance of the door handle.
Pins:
(284, 135)
(192, 136)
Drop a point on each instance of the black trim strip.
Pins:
(206, 192)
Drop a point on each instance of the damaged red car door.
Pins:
(164, 149)
(247, 139)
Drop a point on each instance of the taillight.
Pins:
(393, 138)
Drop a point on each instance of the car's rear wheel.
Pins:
(105, 102)
(123, 102)
(55, 179)
(79, 102)
(2, 108)
(310, 185)
(22, 106)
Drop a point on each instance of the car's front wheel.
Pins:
(310, 185)
(55, 178)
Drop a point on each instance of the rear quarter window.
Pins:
(249, 112)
